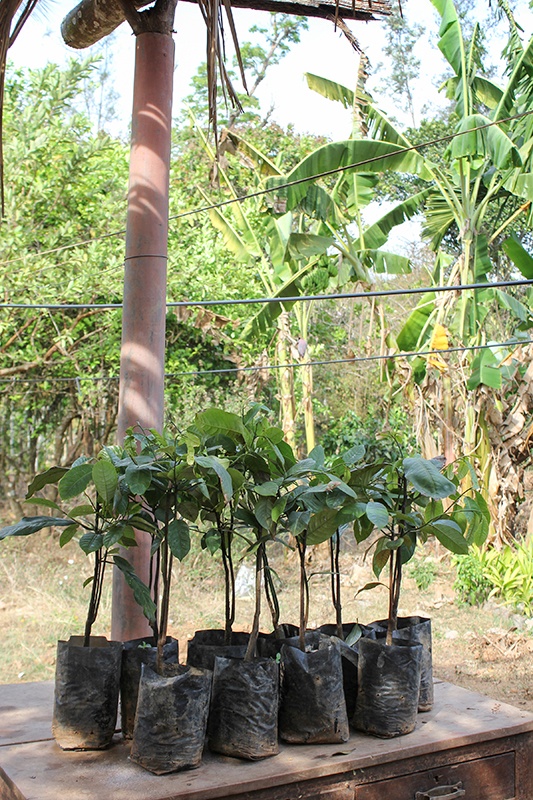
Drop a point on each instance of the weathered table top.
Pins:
(32, 766)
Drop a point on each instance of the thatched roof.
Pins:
(91, 20)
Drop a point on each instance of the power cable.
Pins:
(290, 299)
(286, 185)
(296, 364)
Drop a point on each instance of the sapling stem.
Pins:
(229, 580)
(96, 595)
(153, 585)
(252, 642)
(334, 556)
(304, 590)
(271, 594)
(395, 564)
(97, 584)
(166, 573)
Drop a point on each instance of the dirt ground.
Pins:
(487, 649)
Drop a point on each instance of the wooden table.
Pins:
(467, 738)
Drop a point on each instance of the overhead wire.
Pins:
(247, 301)
(278, 187)
(273, 367)
(460, 287)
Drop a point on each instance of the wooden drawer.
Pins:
(491, 778)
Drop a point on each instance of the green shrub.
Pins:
(352, 429)
(510, 571)
(471, 585)
(505, 575)
(423, 571)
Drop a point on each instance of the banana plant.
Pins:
(476, 195)
(303, 236)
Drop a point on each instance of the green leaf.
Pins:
(188, 509)
(353, 455)
(433, 509)
(141, 524)
(360, 155)
(307, 245)
(368, 586)
(42, 501)
(278, 508)
(330, 89)
(211, 541)
(298, 521)
(416, 329)
(179, 538)
(214, 420)
(114, 534)
(451, 42)
(380, 560)
(52, 475)
(141, 592)
(75, 481)
(427, 479)
(84, 510)
(322, 526)
(489, 143)
(385, 263)
(517, 309)
(378, 514)
(267, 489)
(354, 635)
(485, 371)
(91, 542)
(105, 479)
(449, 535)
(318, 455)
(394, 544)
(486, 92)
(138, 477)
(29, 525)
(213, 463)
(263, 512)
(362, 528)
(67, 534)
(519, 256)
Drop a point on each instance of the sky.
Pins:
(322, 51)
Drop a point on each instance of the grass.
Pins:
(42, 599)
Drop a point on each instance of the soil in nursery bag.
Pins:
(313, 708)
(418, 629)
(389, 685)
(171, 719)
(136, 653)
(243, 721)
(87, 686)
(205, 645)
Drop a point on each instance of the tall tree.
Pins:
(400, 81)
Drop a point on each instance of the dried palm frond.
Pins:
(212, 14)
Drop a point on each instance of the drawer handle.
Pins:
(443, 792)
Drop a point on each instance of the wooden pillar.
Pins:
(142, 360)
